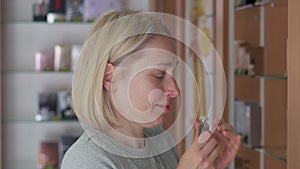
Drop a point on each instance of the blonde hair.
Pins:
(114, 35)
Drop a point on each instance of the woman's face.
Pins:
(143, 85)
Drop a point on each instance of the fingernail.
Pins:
(204, 137)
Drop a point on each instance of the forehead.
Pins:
(161, 42)
(158, 51)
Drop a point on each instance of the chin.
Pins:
(159, 121)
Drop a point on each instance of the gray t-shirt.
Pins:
(95, 150)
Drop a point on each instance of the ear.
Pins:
(108, 76)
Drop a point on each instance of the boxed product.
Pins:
(55, 106)
(94, 8)
(57, 6)
(47, 155)
(40, 8)
(64, 105)
(46, 106)
(62, 57)
(74, 10)
(44, 61)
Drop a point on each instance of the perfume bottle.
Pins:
(203, 126)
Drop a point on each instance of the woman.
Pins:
(123, 87)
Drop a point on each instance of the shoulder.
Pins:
(85, 154)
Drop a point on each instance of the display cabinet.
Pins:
(21, 38)
(261, 37)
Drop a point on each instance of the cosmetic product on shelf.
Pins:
(74, 10)
(247, 122)
(47, 155)
(64, 105)
(62, 57)
(94, 8)
(44, 61)
(57, 6)
(40, 8)
(46, 106)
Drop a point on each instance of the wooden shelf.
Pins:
(267, 28)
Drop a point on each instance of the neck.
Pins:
(128, 133)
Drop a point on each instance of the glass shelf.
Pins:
(31, 120)
(260, 4)
(270, 77)
(243, 7)
(34, 72)
(277, 152)
(43, 22)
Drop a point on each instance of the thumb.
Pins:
(196, 127)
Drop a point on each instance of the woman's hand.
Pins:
(228, 142)
(201, 154)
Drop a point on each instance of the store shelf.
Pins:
(274, 152)
(31, 120)
(278, 152)
(34, 72)
(243, 7)
(30, 22)
(270, 77)
(45, 25)
(273, 3)
(265, 24)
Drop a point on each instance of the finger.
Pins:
(209, 146)
(226, 127)
(236, 140)
(219, 136)
(196, 124)
(206, 165)
(204, 137)
(229, 135)
(214, 154)
(234, 145)
(217, 122)
(200, 141)
(220, 121)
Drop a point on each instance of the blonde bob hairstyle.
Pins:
(112, 37)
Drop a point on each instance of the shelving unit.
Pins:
(265, 25)
(21, 84)
(21, 38)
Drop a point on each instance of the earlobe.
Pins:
(108, 76)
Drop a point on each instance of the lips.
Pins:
(165, 108)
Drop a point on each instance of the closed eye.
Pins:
(159, 74)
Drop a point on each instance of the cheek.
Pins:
(139, 95)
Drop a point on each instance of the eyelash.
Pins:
(160, 76)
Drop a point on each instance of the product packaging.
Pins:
(62, 58)
(94, 8)
(47, 155)
(44, 61)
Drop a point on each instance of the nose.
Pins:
(170, 87)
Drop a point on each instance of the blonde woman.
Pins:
(123, 87)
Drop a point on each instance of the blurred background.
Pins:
(41, 39)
